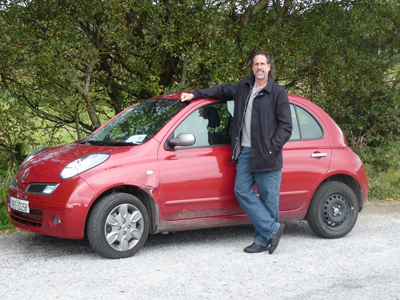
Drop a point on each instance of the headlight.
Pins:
(35, 152)
(13, 184)
(83, 164)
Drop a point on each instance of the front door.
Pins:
(198, 181)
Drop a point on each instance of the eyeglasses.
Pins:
(262, 64)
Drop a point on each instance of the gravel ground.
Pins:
(211, 264)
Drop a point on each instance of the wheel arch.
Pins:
(352, 183)
(138, 192)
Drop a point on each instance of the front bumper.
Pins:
(70, 203)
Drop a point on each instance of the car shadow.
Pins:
(48, 247)
(235, 234)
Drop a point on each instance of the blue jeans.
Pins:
(264, 211)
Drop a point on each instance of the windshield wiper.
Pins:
(102, 143)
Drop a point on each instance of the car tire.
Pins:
(333, 210)
(118, 226)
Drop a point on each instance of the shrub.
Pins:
(5, 180)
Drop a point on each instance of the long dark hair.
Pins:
(270, 61)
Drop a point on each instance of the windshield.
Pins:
(136, 125)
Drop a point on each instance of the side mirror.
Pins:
(183, 139)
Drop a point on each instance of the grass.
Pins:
(383, 169)
(384, 185)
(4, 185)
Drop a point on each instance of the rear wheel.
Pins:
(118, 226)
(333, 210)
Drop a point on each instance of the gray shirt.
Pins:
(246, 133)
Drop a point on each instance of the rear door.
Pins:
(306, 158)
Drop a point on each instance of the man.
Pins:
(262, 124)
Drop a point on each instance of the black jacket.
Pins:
(271, 121)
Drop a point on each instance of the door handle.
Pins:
(318, 155)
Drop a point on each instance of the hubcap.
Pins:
(124, 227)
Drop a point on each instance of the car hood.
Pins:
(47, 166)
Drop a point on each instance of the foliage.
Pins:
(5, 180)
(20, 132)
(13, 133)
(383, 169)
(345, 60)
(384, 185)
(71, 64)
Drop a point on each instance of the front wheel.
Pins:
(333, 210)
(118, 226)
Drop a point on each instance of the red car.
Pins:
(163, 165)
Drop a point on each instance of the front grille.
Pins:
(34, 218)
(36, 188)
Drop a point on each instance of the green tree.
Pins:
(15, 130)
(347, 61)
(76, 63)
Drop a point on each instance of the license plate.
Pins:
(20, 205)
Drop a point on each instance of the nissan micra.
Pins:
(163, 165)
